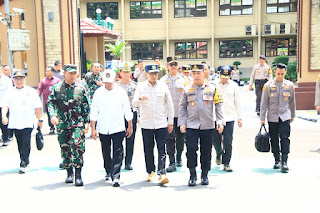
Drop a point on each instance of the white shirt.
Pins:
(5, 85)
(109, 109)
(141, 75)
(158, 111)
(231, 100)
(22, 104)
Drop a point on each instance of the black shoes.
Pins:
(69, 175)
(204, 178)
(277, 165)
(51, 132)
(171, 168)
(78, 179)
(179, 161)
(128, 167)
(5, 143)
(108, 176)
(284, 165)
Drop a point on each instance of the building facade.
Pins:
(216, 31)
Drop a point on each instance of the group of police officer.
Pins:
(173, 111)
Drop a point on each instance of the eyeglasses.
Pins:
(173, 64)
(18, 79)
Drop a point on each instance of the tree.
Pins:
(284, 59)
(117, 49)
(237, 63)
(292, 71)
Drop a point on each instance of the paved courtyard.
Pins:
(253, 186)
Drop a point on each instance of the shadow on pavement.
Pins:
(52, 186)
(266, 171)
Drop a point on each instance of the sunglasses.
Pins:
(173, 64)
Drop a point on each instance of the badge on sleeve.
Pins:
(217, 97)
(192, 104)
(264, 88)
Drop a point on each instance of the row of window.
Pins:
(187, 8)
(227, 49)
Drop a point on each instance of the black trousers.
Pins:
(259, 86)
(280, 129)
(112, 166)
(23, 137)
(192, 141)
(175, 140)
(130, 141)
(4, 128)
(149, 135)
(226, 150)
(49, 120)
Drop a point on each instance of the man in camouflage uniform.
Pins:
(69, 108)
(93, 79)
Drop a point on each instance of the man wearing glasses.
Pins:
(156, 120)
(175, 141)
(278, 100)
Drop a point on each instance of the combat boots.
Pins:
(69, 175)
(277, 163)
(179, 161)
(172, 165)
(204, 178)
(193, 177)
(284, 165)
(78, 179)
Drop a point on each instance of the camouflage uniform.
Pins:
(70, 103)
(91, 79)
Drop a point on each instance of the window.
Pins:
(190, 8)
(145, 9)
(236, 7)
(281, 6)
(235, 48)
(188, 50)
(146, 51)
(281, 46)
(109, 9)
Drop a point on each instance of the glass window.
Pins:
(145, 9)
(281, 6)
(281, 46)
(235, 48)
(194, 49)
(190, 8)
(109, 9)
(146, 51)
(235, 7)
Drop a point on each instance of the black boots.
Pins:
(70, 175)
(193, 177)
(284, 165)
(277, 163)
(78, 179)
(172, 165)
(204, 178)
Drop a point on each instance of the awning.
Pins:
(88, 28)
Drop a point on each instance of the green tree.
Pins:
(117, 49)
(237, 63)
(284, 59)
(292, 71)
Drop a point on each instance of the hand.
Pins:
(86, 130)
(54, 120)
(94, 134)
(143, 98)
(40, 124)
(99, 83)
(183, 129)
(318, 108)
(250, 87)
(220, 128)
(263, 123)
(291, 120)
(170, 128)
(129, 132)
(240, 122)
(138, 120)
(5, 120)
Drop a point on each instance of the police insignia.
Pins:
(154, 67)
(126, 65)
(195, 67)
(264, 88)
(188, 69)
(172, 58)
(192, 104)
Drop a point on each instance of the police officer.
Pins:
(130, 87)
(278, 99)
(317, 95)
(231, 112)
(186, 72)
(175, 141)
(68, 107)
(206, 72)
(156, 119)
(200, 107)
(94, 79)
(261, 73)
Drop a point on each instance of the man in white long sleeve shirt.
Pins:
(156, 119)
(140, 72)
(231, 111)
(110, 105)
